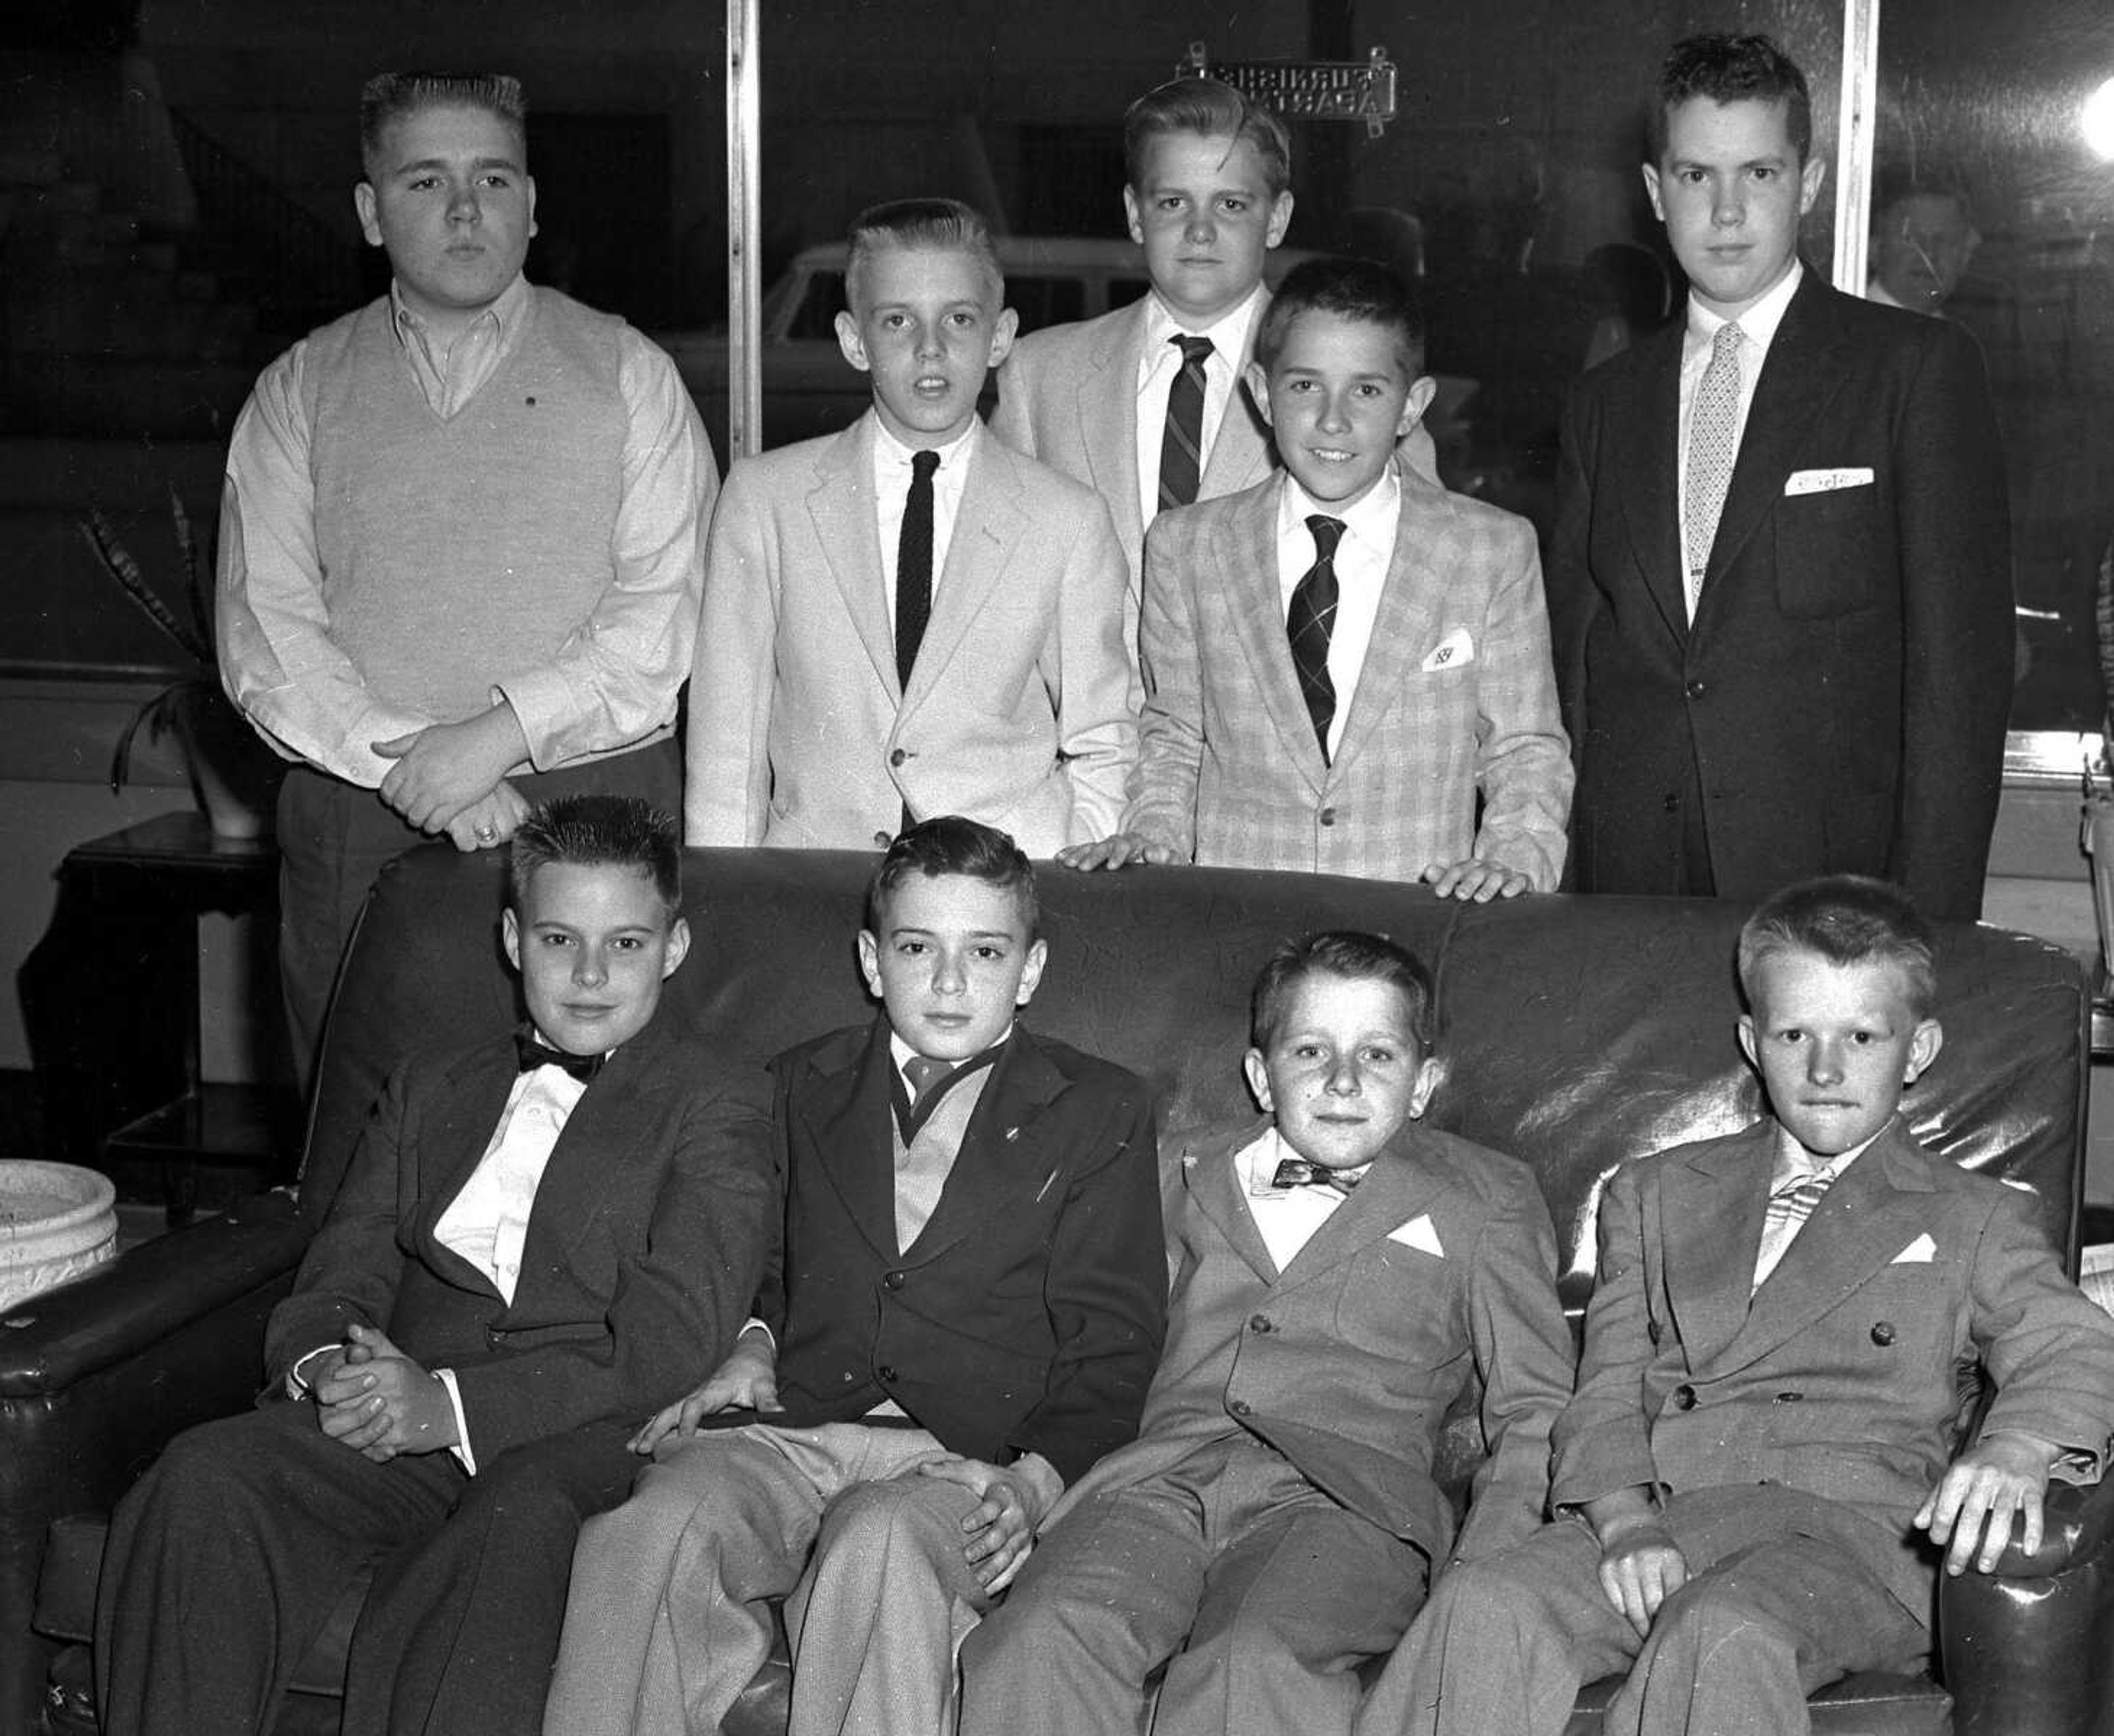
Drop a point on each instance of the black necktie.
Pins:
(1298, 1172)
(913, 565)
(535, 1052)
(1308, 624)
(1182, 445)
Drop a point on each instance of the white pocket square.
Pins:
(1825, 481)
(1920, 1252)
(1450, 652)
(1418, 1234)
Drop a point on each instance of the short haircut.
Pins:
(1352, 289)
(1847, 919)
(945, 223)
(1731, 69)
(388, 96)
(948, 843)
(1349, 953)
(1213, 109)
(1892, 188)
(600, 831)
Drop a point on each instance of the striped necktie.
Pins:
(1182, 445)
(1714, 443)
(1789, 1208)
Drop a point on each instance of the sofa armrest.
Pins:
(2029, 1649)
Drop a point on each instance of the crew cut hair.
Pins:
(387, 96)
(600, 831)
(946, 224)
(1212, 109)
(1847, 919)
(1355, 956)
(1352, 289)
(948, 843)
(1727, 68)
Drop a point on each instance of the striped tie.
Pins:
(1308, 624)
(1789, 1208)
(1182, 445)
(1714, 443)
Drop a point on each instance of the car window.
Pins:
(820, 303)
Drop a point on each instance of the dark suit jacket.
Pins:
(1028, 1315)
(1842, 698)
(1844, 1377)
(643, 1249)
(1349, 1360)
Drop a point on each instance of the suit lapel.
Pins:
(1711, 1208)
(1394, 1190)
(1106, 405)
(479, 1088)
(1874, 1209)
(1215, 1189)
(844, 1123)
(1005, 1158)
(842, 510)
(1798, 378)
(1426, 546)
(987, 527)
(1643, 429)
(1244, 558)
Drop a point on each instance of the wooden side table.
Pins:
(112, 995)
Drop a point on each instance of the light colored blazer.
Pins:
(1840, 1378)
(1019, 712)
(1456, 698)
(1068, 396)
(1372, 1336)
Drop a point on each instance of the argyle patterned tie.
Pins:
(1714, 442)
(1182, 445)
(1309, 622)
(1789, 1208)
(913, 565)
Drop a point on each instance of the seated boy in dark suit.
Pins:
(1769, 1400)
(963, 1316)
(545, 1232)
(1276, 1521)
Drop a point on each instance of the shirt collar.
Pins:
(1228, 333)
(1370, 519)
(1794, 1163)
(1759, 323)
(900, 1052)
(505, 313)
(1255, 1163)
(892, 452)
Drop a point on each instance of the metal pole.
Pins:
(1856, 125)
(744, 160)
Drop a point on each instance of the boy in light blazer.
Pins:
(1343, 1281)
(909, 618)
(1346, 667)
(1131, 403)
(1762, 1463)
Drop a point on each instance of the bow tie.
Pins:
(535, 1052)
(1298, 1172)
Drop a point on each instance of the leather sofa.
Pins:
(1579, 1033)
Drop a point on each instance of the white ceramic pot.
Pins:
(56, 1221)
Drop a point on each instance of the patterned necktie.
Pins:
(1714, 442)
(913, 565)
(1789, 1208)
(1308, 624)
(532, 1053)
(1298, 1172)
(1182, 445)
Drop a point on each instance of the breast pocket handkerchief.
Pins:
(1827, 481)
(1419, 1233)
(1920, 1252)
(1457, 648)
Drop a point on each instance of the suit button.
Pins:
(892, 1281)
(1239, 1407)
(886, 1374)
(1672, 803)
(1883, 1333)
(1694, 690)
(1327, 816)
(1261, 1323)
(1684, 1398)
(882, 840)
(1789, 1398)
(898, 757)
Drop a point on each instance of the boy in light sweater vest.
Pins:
(458, 562)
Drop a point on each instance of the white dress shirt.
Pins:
(1287, 1217)
(892, 476)
(1156, 369)
(1363, 554)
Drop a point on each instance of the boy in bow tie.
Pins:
(519, 1261)
(960, 1317)
(1348, 1287)
(1763, 1460)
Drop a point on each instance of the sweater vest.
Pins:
(457, 552)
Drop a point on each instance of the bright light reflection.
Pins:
(2097, 118)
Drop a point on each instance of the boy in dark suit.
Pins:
(1346, 667)
(910, 618)
(538, 1237)
(1780, 577)
(1769, 1401)
(963, 1316)
(1276, 1521)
